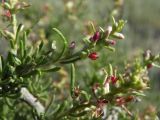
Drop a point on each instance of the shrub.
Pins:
(30, 90)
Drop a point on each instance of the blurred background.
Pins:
(142, 31)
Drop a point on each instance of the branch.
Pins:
(31, 100)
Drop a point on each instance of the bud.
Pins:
(7, 13)
(53, 45)
(72, 45)
(147, 55)
(95, 37)
(106, 88)
(69, 5)
(113, 79)
(149, 65)
(118, 35)
(101, 102)
(93, 56)
(100, 108)
(129, 98)
(108, 31)
(110, 42)
(95, 86)
(120, 101)
(76, 91)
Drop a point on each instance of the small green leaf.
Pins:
(118, 35)
(72, 83)
(113, 20)
(12, 59)
(14, 96)
(17, 61)
(64, 44)
(24, 38)
(8, 34)
(110, 69)
(42, 60)
(71, 60)
(110, 48)
(120, 26)
(78, 114)
(155, 65)
(41, 45)
(101, 29)
(114, 25)
(12, 44)
(138, 93)
(50, 102)
(86, 95)
(20, 27)
(92, 27)
(54, 69)
(86, 40)
(61, 108)
(1, 64)
(7, 5)
(8, 102)
(31, 73)
(121, 78)
(157, 58)
(21, 47)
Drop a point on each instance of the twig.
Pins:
(31, 100)
(129, 113)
